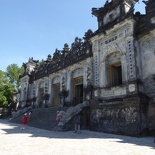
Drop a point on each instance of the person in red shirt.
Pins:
(24, 121)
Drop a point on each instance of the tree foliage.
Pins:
(9, 83)
(13, 72)
(3, 81)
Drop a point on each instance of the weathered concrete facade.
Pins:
(126, 116)
(123, 45)
(60, 80)
(113, 68)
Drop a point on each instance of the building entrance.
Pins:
(78, 90)
(56, 91)
(41, 92)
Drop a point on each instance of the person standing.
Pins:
(77, 124)
(58, 117)
(29, 116)
(24, 121)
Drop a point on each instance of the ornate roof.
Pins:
(80, 50)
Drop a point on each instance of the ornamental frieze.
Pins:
(80, 50)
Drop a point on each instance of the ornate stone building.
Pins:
(113, 68)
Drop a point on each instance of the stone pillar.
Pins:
(46, 92)
(124, 68)
(96, 62)
(21, 94)
(50, 92)
(85, 76)
(131, 59)
(69, 86)
(37, 94)
(103, 75)
(63, 89)
(51, 95)
(26, 94)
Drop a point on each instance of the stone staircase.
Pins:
(41, 117)
(45, 118)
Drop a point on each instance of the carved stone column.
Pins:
(69, 86)
(37, 94)
(124, 68)
(50, 92)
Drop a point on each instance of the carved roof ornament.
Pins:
(107, 2)
(80, 50)
(87, 35)
(56, 55)
(145, 2)
(111, 5)
(112, 13)
(30, 59)
(49, 58)
(65, 50)
(66, 47)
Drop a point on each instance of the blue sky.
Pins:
(35, 28)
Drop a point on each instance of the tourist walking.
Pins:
(24, 121)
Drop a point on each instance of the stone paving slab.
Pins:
(35, 141)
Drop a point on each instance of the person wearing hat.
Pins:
(24, 121)
(29, 116)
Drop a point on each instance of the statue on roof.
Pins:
(145, 2)
(56, 55)
(106, 2)
(49, 58)
(30, 59)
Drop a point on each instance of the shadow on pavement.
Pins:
(13, 128)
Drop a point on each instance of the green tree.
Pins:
(9, 82)
(3, 82)
(13, 73)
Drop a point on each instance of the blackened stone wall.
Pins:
(84, 119)
(121, 117)
(149, 85)
(151, 116)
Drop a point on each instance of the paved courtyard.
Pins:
(34, 141)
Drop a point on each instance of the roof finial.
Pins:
(106, 2)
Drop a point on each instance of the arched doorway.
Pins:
(78, 90)
(41, 93)
(56, 91)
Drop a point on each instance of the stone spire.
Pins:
(150, 6)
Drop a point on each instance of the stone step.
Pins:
(42, 117)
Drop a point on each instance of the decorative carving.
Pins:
(87, 35)
(49, 58)
(130, 53)
(56, 56)
(63, 94)
(88, 76)
(80, 50)
(145, 2)
(31, 59)
(63, 83)
(110, 40)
